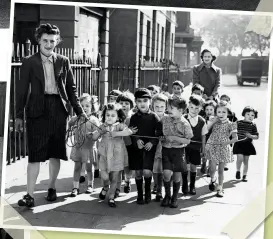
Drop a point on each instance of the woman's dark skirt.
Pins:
(47, 133)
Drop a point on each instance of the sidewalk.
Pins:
(203, 213)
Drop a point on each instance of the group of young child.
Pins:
(154, 134)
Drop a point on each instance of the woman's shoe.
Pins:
(27, 201)
(238, 175)
(244, 178)
(154, 189)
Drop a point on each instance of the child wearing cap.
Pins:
(144, 148)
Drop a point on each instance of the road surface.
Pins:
(202, 214)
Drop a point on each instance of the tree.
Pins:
(258, 42)
(226, 32)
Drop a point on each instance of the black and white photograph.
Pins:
(125, 118)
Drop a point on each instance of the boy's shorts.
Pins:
(193, 156)
(174, 159)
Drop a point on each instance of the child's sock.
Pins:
(148, 189)
(192, 183)
(139, 184)
(90, 183)
(76, 184)
(185, 188)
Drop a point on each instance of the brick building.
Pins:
(145, 41)
(81, 28)
(186, 41)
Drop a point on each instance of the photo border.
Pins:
(125, 6)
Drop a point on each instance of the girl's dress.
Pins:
(158, 168)
(245, 147)
(87, 152)
(221, 131)
(113, 156)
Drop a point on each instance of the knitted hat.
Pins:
(143, 93)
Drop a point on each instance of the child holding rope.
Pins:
(196, 148)
(218, 149)
(209, 108)
(177, 134)
(159, 106)
(127, 101)
(144, 148)
(245, 148)
(112, 151)
(85, 153)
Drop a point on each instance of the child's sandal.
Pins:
(220, 193)
(75, 192)
(102, 194)
(212, 185)
(117, 192)
(112, 203)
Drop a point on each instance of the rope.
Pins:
(81, 134)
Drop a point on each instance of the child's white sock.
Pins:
(76, 184)
(220, 187)
(90, 183)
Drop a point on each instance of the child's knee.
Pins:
(176, 177)
(193, 168)
(167, 174)
(138, 174)
(104, 176)
(77, 167)
(147, 173)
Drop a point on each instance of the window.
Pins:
(148, 39)
(154, 37)
(157, 43)
(162, 43)
(141, 34)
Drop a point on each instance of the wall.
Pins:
(65, 21)
(122, 36)
(2, 106)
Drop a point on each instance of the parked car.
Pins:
(250, 70)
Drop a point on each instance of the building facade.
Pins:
(145, 41)
(186, 42)
(84, 31)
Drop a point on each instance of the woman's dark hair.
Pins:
(205, 51)
(47, 29)
(250, 109)
(114, 106)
